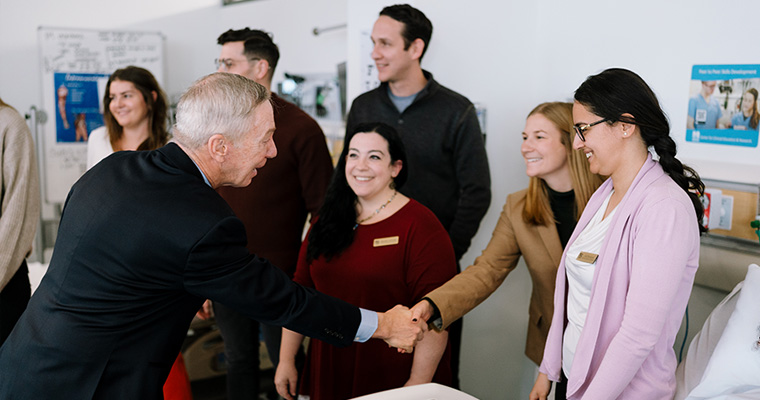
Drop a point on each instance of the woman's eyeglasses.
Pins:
(580, 128)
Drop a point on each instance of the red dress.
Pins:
(414, 257)
(177, 386)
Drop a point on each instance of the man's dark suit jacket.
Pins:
(143, 240)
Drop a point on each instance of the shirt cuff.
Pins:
(367, 327)
(435, 321)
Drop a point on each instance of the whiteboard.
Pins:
(75, 65)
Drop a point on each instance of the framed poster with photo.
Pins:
(723, 105)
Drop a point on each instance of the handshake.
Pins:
(402, 327)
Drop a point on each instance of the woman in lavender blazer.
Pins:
(627, 271)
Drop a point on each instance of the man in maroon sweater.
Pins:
(274, 206)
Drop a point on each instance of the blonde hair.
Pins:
(537, 210)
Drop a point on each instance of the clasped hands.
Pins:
(402, 327)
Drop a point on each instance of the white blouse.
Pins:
(98, 146)
(580, 276)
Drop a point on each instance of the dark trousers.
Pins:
(455, 340)
(13, 300)
(241, 350)
(560, 392)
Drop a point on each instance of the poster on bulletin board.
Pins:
(723, 105)
(78, 106)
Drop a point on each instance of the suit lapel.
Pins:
(550, 237)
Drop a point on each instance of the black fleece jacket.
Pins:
(448, 165)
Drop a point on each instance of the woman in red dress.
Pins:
(375, 248)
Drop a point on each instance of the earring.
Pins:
(625, 133)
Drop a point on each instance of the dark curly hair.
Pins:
(333, 231)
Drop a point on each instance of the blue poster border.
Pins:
(731, 137)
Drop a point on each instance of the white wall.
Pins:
(191, 37)
(190, 27)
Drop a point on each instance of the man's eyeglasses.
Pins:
(226, 63)
(580, 128)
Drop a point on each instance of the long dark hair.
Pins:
(157, 109)
(617, 91)
(333, 231)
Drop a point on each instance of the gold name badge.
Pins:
(386, 241)
(587, 257)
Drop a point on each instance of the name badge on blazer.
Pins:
(587, 257)
(386, 241)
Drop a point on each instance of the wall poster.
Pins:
(723, 105)
(79, 104)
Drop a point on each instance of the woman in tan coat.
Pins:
(535, 223)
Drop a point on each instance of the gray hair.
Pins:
(219, 103)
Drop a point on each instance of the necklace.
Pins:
(376, 211)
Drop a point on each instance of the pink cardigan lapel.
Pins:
(615, 238)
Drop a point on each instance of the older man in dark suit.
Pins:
(144, 239)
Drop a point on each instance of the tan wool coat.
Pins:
(19, 193)
(512, 238)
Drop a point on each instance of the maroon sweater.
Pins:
(289, 187)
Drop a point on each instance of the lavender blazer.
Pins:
(641, 286)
